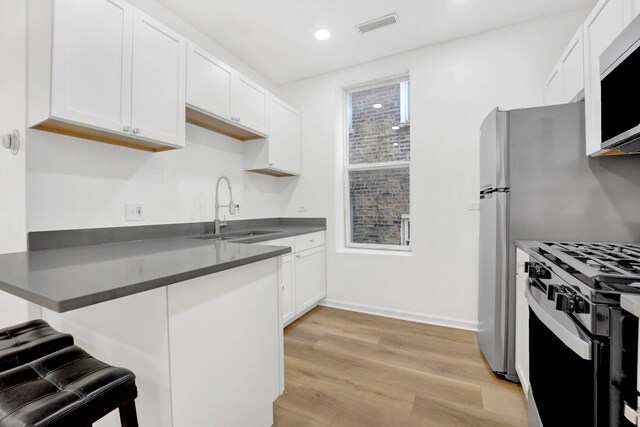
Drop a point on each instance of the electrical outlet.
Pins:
(134, 212)
(302, 208)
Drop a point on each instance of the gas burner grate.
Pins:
(607, 259)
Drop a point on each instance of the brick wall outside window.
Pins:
(378, 197)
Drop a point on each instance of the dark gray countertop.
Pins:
(69, 278)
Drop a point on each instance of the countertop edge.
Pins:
(280, 235)
(132, 289)
(84, 300)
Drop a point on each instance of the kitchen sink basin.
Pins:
(207, 237)
(246, 234)
(233, 236)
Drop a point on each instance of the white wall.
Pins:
(12, 168)
(453, 87)
(74, 183)
(168, 18)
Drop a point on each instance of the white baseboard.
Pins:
(448, 322)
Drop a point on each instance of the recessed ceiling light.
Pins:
(323, 34)
(377, 105)
(395, 144)
(395, 127)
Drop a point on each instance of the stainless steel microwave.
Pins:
(620, 91)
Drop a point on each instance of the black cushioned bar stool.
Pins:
(66, 388)
(29, 341)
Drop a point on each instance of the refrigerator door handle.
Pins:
(485, 192)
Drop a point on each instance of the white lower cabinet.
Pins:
(301, 274)
(522, 323)
(310, 282)
(287, 277)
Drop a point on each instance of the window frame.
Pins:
(347, 167)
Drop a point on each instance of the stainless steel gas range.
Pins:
(583, 347)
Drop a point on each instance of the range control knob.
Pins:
(552, 290)
(581, 306)
(565, 302)
(537, 271)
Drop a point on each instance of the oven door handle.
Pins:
(572, 338)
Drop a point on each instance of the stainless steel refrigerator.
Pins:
(536, 183)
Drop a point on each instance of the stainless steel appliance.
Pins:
(583, 348)
(536, 183)
(620, 88)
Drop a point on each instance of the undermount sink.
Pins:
(234, 236)
(207, 237)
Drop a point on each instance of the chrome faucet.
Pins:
(217, 225)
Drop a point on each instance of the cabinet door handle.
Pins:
(126, 128)
(239, 119)
(136, 130)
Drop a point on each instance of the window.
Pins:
(377, 157)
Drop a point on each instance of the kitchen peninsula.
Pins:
(197, 316)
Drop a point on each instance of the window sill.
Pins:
(404, 252)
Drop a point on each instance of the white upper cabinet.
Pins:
(602, 26)
(572, 62)
(566, 81)
(284, 136)
(209, 83)
(91, 67)
(250, 105)
(221, 99)
(100, 69)
(159, 72)
(554, 88)
(279, 153)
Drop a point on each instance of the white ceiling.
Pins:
(275, 37)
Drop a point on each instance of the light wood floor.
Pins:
(350, 369)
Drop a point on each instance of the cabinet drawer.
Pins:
(308, 241)
(285, 241)
(521, 258)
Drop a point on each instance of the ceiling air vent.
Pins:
(383, 21)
